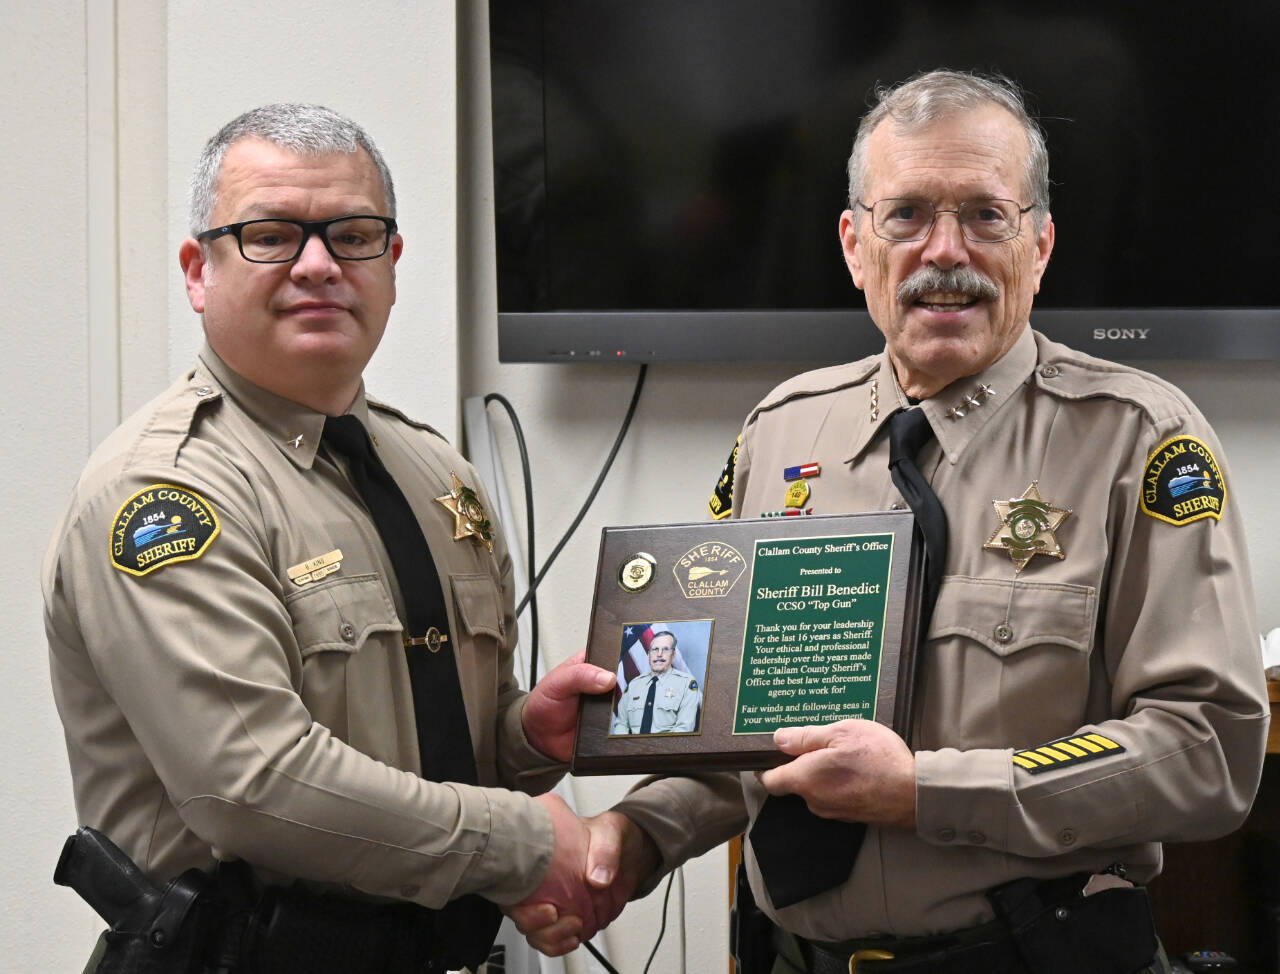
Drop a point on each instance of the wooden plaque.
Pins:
(723, 631)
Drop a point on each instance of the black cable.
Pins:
(595, 489)
(600, 958)
(528, 517)
(663, 929)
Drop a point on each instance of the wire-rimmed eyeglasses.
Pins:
(902, 219)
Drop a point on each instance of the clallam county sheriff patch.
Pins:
(159, 525)
(721, 502)
(1182, 482)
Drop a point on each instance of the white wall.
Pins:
(183, 67)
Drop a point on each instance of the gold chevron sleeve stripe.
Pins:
(1066, 752)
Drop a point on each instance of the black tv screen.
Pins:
(669, 173)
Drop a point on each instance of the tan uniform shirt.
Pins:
(1145, 633)
(675, 704)
(215, 708)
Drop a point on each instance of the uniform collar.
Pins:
(294, 429)
(957, 413)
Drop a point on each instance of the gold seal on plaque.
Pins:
(636, 573)
(709, 570)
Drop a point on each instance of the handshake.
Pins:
(597, 863)
(596, 867)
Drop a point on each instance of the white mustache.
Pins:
(964, 280)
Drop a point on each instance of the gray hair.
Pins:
(938, 94)
(304, 129)
(664, 632)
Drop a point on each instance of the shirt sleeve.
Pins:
(201, 658)
(685, 816)
(1177, 684)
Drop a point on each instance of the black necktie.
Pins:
(646, 722)
(909, 431)
(801, 854)
(466, 927)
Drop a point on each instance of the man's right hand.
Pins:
(562, 899)
(619, 858)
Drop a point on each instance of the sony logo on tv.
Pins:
(1120, 334)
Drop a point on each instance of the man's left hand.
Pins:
(550, 715)
(856, 770)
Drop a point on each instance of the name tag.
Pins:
(316, 568)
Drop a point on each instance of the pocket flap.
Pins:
(340, 615)
(479, 604)
(1040, 613)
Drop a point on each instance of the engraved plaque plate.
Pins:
(745, 626)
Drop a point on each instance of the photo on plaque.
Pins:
(662, 672)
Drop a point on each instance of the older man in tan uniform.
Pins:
(1090, 684)
(228, 637)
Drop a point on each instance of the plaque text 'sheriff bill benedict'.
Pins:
(722, 632)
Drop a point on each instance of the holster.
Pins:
(177, 940)
(1056, 929)
(750, 930)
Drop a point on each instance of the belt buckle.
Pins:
(859, 955)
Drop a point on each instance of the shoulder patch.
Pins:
(721, 501)
(693, 684)
(161, 524)
(1182, 482)
(1066, 751)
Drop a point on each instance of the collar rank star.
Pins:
(1026, 527)
(469, 520)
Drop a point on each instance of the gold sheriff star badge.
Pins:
(1026, 527)
(469, 519)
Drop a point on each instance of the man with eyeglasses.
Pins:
(280, 616)
(1089, 682)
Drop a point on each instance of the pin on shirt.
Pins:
(797, 493)
(1026, 527)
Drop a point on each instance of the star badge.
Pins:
(1026, 527)
(469, 519)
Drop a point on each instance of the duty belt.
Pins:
(1041, 927)
(986, 949)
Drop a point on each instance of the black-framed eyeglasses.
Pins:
(280, 241)
(903, 219)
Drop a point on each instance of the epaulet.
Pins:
(1067, 373)
(382, 407)
(161, 428)
(819, 382)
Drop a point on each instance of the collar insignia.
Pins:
(971, 402)
(469, 519)
(1026, 527)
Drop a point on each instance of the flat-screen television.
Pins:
(669, 174)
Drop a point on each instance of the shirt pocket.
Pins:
(479, 604)
(1001, 662)
(344, 682)
(341, 616)
(479, 641)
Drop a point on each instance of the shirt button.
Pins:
(409, 892)
(1049, 371)
(1067, 836)
(204, 391)
(977, 838)
(946, 835)
(1003, 633)
(348, 631)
